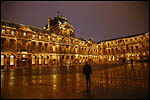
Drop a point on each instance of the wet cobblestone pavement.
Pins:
(107, 82)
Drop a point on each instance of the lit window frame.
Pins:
(24, 34)
(3, 31)
(12, 32)
(2, 59)
(33, 35)
(40, 37)
(12, 59)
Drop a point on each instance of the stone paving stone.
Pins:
(107, 82)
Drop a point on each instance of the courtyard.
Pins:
(107, 82)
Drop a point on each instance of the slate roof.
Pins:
(16, 25)
(123, 37)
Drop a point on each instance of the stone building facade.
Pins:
(55, 44)
(135, 47)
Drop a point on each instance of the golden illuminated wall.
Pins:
(23, 46)
(132, 47)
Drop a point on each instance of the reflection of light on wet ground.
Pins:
(145, 64)
(68, 68)
(2, 75)
(77, 76)
(11, 83)
(33, 81)
(54, 87)
(47, 84)
(12, 77)
(123, 77)
(12, 73)
(40, 81)
(54, 76)
(2, 79)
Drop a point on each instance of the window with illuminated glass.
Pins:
(33, 59)
(54, 49)
(33, 35)
(3, 31)
(40, 59)
(40, 36)
(135, 39)
(126, 41)
(131, 40)
(46, 60)
(24, 34)
(2, 60)
(46, 38)
(12, 60)
(142, 38)
(112, 43)
(24, 56)
(115, 42)
(12, 32)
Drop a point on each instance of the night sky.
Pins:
(99, 20)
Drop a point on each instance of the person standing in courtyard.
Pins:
(87, 71)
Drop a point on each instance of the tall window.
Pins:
(2, 60)
(24, 34)
(131, 41)
(54, 49)
(142, 38)
(12, 60)
(33, 35)
(12, 32)
(33, 59)
(135, 39)
(126, 41)
(40, 46)
(46, 60)
(45, 38)
(40, 59)
(131, 48)
(136, 47)
(115, 42)
(3, 30)
(40, 37)
(112, 43)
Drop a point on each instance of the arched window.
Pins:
(33, 59)
(33, 35)
(40, 36)
(12, 60)
(12, 32)
(3, 31)
(40, 59)
(46, 60)
(24, 34)
(54, 48)
(2, 60)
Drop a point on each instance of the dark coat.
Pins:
(87, 69)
